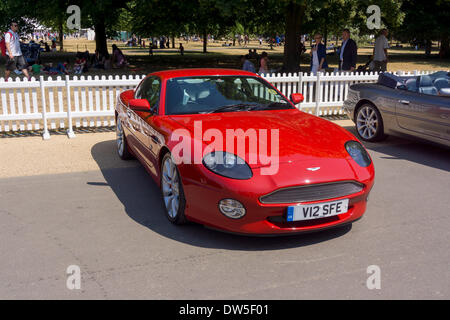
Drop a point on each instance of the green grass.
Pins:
(406, 59)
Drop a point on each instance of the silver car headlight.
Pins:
(358, 153)
(228, 165)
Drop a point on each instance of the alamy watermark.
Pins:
(74, 279)
(374, 280)
(374, 20)
(74, 20)
(188, 149)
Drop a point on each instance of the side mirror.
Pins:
(296, 98)
(141, 105)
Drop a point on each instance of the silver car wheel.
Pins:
(367, 122)
(170, 187)
(120, 137)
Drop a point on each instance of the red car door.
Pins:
(148, 137)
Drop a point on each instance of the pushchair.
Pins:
(369, 66)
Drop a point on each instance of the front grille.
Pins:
(313, 192)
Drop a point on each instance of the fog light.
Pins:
(232, 208)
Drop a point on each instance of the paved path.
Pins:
(72, 202)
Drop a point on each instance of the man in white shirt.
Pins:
(15, 59)
(380, 55)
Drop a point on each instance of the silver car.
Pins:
(417, 106)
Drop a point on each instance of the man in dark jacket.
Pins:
(348, 52)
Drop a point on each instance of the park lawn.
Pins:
(405, 59)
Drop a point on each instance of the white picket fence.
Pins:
(86, 102)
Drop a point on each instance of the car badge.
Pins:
(313, 168)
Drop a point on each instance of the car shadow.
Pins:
(143, 203)
(421, 152)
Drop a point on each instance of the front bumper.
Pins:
(203, 196)
(349, 109)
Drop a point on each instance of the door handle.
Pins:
(155, 139)
(403, 101)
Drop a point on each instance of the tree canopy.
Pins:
(414, 21)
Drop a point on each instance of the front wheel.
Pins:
(369, 124)
(172, 191)
(122, 145)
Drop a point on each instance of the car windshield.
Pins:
(209, 94)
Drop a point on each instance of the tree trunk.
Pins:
(205, 40)
(444, 51)
(100, 36)
(325, 33)
(61, 35)
(428, 47)
(294, 15)
(173, 42)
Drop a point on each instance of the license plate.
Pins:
(317, 210)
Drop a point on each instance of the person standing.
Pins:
(318, 55)
(263, 68)
(380, 54)
(181, 49)
(15, 59)
(348, 52)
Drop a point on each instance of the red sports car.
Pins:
(231, 152)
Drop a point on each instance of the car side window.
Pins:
(150, 89)
(265, 95)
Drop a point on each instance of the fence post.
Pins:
(70, 132)
(46, 134)
(300, 86)
(318, 90)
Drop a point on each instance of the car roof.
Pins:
(178, 73)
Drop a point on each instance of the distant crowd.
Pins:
(25, 59)
(347, 54)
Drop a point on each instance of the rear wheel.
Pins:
(369, 124)
(122, 145)
(172, 191)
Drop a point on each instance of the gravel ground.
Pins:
(29, 156)
(73, 202)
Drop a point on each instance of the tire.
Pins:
(172, 191)
(121, 140)
(369, 123)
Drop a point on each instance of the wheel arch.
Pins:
(162, 153)
(360, 104)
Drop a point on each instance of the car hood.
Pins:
(301, 136)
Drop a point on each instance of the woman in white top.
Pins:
(318, 53)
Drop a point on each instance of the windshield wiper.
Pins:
(274, 105)
(234, 107)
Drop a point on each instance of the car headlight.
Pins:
(227, 165)
(358, 153)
